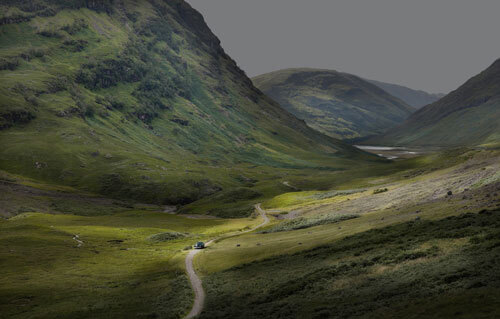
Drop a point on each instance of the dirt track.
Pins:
(196, 283)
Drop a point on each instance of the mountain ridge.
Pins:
(469, 115)
(415, 98)
(339, 104)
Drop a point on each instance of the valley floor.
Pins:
(68, 254)
(420, 240)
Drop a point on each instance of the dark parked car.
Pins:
(199, 245)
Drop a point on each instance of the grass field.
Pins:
(68, 253)
(367, 266)
(98, 260)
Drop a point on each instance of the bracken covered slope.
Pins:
(338, 104)
(137, 99)
(469, 115)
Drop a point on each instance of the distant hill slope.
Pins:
(469, 115)
(338, 104)
(137, 99)
(415, 98)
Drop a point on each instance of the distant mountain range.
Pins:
(415, 98)
(469, 115)
(138, 100)
(339, 104)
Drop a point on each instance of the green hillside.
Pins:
(428, 246)
(137, 100)
(409, 270)
(469, 115)
(415, 98)
(338, 104)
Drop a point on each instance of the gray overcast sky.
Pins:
(433, 45)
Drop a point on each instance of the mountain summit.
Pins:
(335, 103)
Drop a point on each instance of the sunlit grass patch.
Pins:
(107, 263)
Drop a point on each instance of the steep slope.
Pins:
(415, 98)
(338, 104)
(137, 99)
(469, 115)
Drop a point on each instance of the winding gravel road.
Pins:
(199, 293)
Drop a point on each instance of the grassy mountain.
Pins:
(415, 98)
(338, 104)
(469, 115)
(137, 99)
